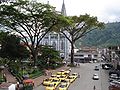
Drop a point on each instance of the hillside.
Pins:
(109, 36)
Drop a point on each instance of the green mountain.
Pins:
(109, 36)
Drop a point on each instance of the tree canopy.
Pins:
(30, 20)
(11, 47)
(79, 27)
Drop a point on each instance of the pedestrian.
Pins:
(79, 64)
(17, 85)
(78, 75)
(94, 87)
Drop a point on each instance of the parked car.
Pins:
(51, 86)
(63, 86)
(95, 77)
(114, 76)
(115, 83)
(47, 81)
(107, 66)
(114, 72)
(75, 75)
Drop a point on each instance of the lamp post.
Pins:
(1, 71)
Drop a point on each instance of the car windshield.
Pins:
(95, 75)
(53, 76)
(61, 76)
(62, 86)
(55, 80)
(69, 77)
(47, 80)
(51, 85)
(74, 74)
(63, 81)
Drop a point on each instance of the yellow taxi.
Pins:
(63, 86)
(75, 75)
(62, 77)
(67, 72)
(62, 72)
(58, 74)
(47, 81)
(53, 76)
(70, 78)
(66, 81)
(51, 86)
(56, 82)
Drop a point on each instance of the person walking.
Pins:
(94, 88)
(78, 75)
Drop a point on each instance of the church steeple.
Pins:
(63, 10)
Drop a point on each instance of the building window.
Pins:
(81, 55)
(61, 36)
(46, 43)
(89, 55)
(62, 45)
(46, 37)
(95, 55)
(53, 36)
(54, 45)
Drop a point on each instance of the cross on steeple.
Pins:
(63, 10)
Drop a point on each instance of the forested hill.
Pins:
(109, 36)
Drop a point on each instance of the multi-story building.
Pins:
(86, 54)
(113, 55)
(58, 40)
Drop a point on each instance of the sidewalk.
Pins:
(9, 77)
(38, 81)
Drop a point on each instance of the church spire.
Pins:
(63, 10)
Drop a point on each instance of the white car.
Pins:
(114, 76)
(95, 77)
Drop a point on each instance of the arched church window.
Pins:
(46, 43)
(62, 45)
(54, 45)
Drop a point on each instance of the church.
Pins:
(58, 40)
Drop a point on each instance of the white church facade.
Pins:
(58, 40)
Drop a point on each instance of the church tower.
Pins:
(63, 10)
(58, 40)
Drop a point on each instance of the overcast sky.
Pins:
(105, 10)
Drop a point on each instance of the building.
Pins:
(87, 54)
(58, 40)
(112, 55)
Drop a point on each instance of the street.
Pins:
(85, 82)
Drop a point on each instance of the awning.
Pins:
(28, 81)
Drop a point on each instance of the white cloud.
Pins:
(105, 10)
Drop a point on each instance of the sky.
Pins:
(105, 10)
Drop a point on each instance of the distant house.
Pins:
(86, 54)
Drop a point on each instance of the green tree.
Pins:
(49, 55)
(79, 27)
(11, 47)
(31, 20)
